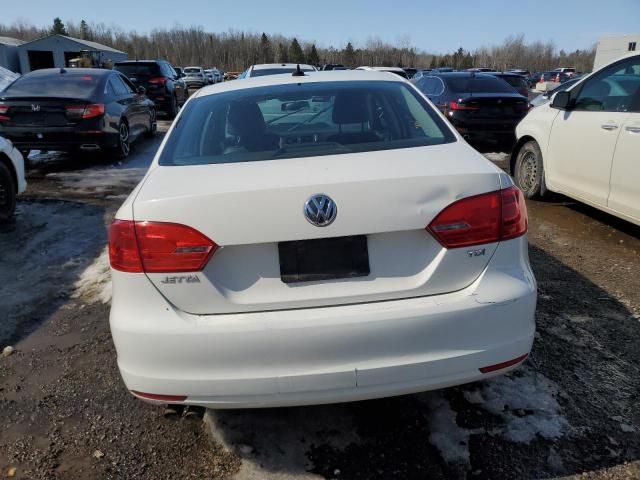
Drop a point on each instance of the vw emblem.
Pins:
(320, 210)
(35, 108)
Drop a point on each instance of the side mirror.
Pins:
(561, 101)
(142, 90)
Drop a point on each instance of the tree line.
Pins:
(236, 50)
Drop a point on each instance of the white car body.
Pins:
(235, 335)
(195, 76)
(14, 160)
(255, 70)
(592, 155)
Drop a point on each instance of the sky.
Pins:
(436, 26)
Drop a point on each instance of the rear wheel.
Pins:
(173, 108)
(7, 194)
(153, 124)
(529, 171)
(124, 143)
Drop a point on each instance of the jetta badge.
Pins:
(35, 108)
(320, 210)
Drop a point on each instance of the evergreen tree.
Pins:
(58, 27)
(296, 55)
(283, 54)
(312, 57)
(349, 55)
(84, 30)
(266, 52)
(434, 62)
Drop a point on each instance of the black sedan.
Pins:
(75, 110)
(480, 106)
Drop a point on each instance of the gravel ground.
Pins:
(572, 410)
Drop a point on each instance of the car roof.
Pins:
(138, 61)
(462, 74)
(98, 72)
(288, 79)
(265, 66)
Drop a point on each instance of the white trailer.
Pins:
(612, 48)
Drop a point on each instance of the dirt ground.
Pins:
(572, 411)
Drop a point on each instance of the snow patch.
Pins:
(451, 440)
(526, 402)
(94, 284)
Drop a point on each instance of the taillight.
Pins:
(158, 81)
(84, 111)
(123, 248)
(156, 247)
(486, 218)
(462, 106)
(4, 109)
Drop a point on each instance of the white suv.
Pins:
(12, 180)
(316, 239)
(586, 142)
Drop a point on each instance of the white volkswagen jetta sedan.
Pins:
(586, 143)
(316, 239)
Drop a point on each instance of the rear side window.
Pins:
(138, 69)
(303, 120)
(478, 84)
(431, 86)
(55, 85)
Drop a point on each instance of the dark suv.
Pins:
(161, 82)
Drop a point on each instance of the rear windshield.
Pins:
(514, 81)
(192, 70)
(138, 69)
(477, 85)
(275, 71)
(64, 85)
(302, 120)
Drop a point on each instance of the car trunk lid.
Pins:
(254, 212)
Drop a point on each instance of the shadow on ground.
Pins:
(43, 252)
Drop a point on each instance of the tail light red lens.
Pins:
(123, 248)
(85, 111)
(4, 109)
(158, 81)
(462, 106)
(156, 247)
(487, 218)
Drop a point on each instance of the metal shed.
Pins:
(9, 58)
(55, 51)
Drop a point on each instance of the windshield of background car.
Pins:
(139, 69)
(55, 85)
(303, 120)
(192, 71)
(262, 72)
(478, 85)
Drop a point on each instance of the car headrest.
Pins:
(350, 107)
(245, 118)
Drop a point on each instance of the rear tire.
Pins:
(173, 108)
(153, 125)
(8, 191)
(123, 148)
(529, 171)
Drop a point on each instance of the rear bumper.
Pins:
(58, 139)
(329, 354)
(486, 131)
(196, 83)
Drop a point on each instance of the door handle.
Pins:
(633, 129)
(609, 126)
